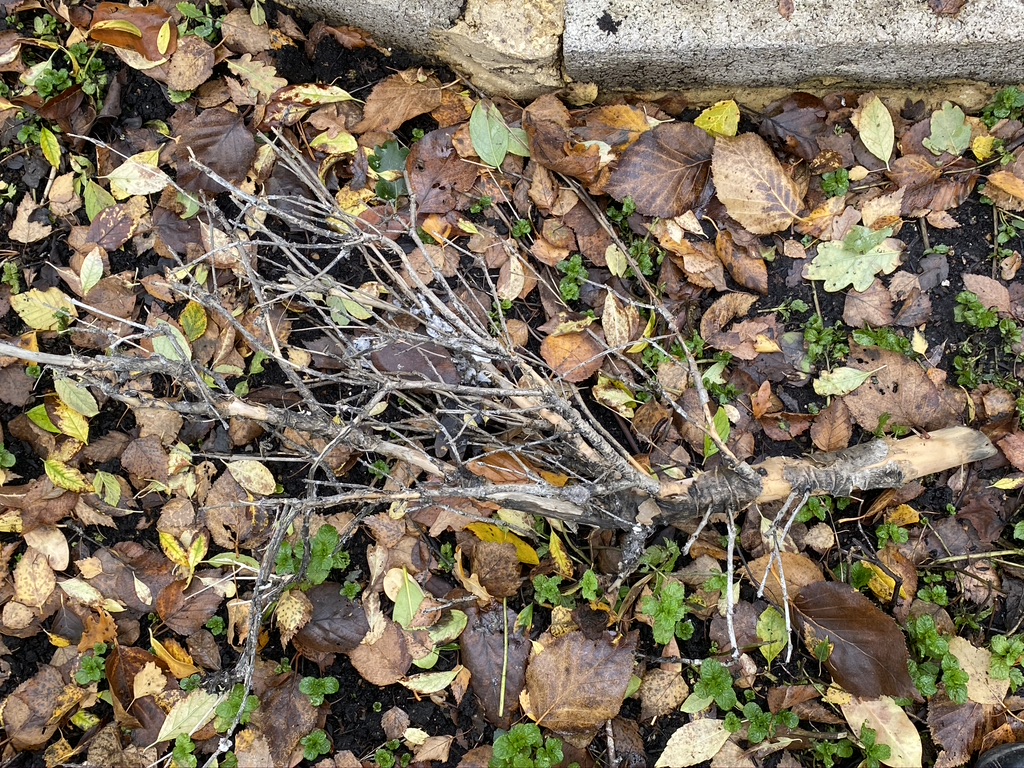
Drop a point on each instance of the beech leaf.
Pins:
(869, 653)
(753, 185)
(694, 743)
(892, 727)
(575, 684)
(665, 172)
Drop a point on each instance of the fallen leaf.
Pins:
(753, 185)
(573, 684)
(665, 172)
(868, 651)
(693, 743)
(400, 97)
(574, 357)
(874, 124)
(855, 260)
(26, 228)
(892, 726)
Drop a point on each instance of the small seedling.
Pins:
(318, 688)
(836, 184)
(667, 610)
(93, 668)
(525, 747)
(236, 705)
(575, 276)
(182, 756)
(315, 744)
(324, 556)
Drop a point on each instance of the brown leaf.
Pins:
(191, 65)
(112, 227)
(136, 29)
(575, 684)
(222, 142)
(28, 712)
(992, 293)
(34, 580)
(724, 310)
(753, 185)
(745, 265)
(145, 460)
(869, 653)
(186, 610)
(957, 728)
(666, 171)
(438, 178)
(575, 356)
(285, 713)
(482, 646)
(1012, 447)
(428, 361)
(902, 389)
(871, 308)
(498, 568)
(337, 624)
(27, 227)
(797, 571)
(946, 7)
(833, 428)
(552, 143)
(384, 661)
(399, 98)
(797, 122)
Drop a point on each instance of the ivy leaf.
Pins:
(950, 132)
(856, 260)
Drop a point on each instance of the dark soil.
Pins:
(356, 711)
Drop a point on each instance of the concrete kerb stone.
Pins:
(668, 44)
(522, 48)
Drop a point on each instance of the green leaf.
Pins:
(41, 419)
(722, 429)
(76, 397)
(431, 682)
(518, 142)
(840, 381)
(92, 271)
(950, 131)
(856, 260)
(171, 344)
(50, 146)
(721, 119)
(107, 488)
(771, 630)
(489, 134)
(874, 123)
(189, 715)
(407, 601)
(97, 199)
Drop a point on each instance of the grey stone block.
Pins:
(411, 25)
(676, 44)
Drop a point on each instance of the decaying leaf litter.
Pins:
(684, 435)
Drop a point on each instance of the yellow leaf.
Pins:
(193, 320)
(48, 310)
(50, 146)
(983, 147)
(71, 423)
(174, 551)
(116, 25)
(721, 119)
(903, 516)
(563, 564)
(149, 681)
(919, 343)
(177, 659)
(163, 38)
(68, 478)
(495, 535)
(253, 476)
